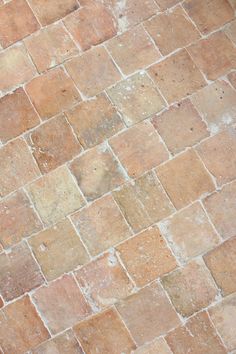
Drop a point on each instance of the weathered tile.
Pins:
(223, 316)
(222, 263)
(86, 71)
(104, 281)
(97, 172)
(190, 288)
(91, 25)
(17, 166)
(52, 93)
(17, 219)
(215, 55)
(219, 155)
(50, 46)
(165, 4)
(101, 225)
(209, 15)
(172, 30)
(65, 343)
(19, 325)
(53, 143)
(177, 76)
(197, 336)
(187, 127)
(232, 78)
(157, 346)
(221, 207)
(17, 115)
(19, 272)
(136, 98)
(140, 211)
(104, 333)
(17, 21)
(55, 195)
(58, 250)
(231, 30)
(185, 178)
(146, 256)
(61, 304)
(16, 67)
(48, 11)
(139, 149)
(94, 121)
(133, 50)
(217, 105)
(144, 311)
(189, 232)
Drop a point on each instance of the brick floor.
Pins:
(117, 176)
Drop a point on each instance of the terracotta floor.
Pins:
(118, 176)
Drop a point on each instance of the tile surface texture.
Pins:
(117, 176)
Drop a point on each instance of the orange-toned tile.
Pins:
(146, 256)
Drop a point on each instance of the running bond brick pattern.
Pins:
(117, 176)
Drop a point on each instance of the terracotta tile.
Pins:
(187, 127)
(61, 304)
(48, 11)
(189, 232)
(50, 46)
(94, 121)
(128, 13)
(172, 30)
(17, 115)
(223, 316)
(16, 67)
(140, 211)
(231, 30)
(215, 56)
(65, 343)
(19, 272)
(197, 336)
(221, 262)
(91, 25)
(104, 333)
(19, 324)
(58, 250)
(53, 143)
(165, 4)
(17, 219)
(146, 256)
(136, 98)
(55, 195)
(217, 105)
(157, 346)
(139, 149)
(17, 21)
(104, 281)
(133, 50)
(97, 172)
(86, 71)
(144, 311)
(209, 15)
(185, 179)
(232, 78)
(219, 155)
(101, 225)
(17, 166)
(221, 207)
(177, 76)
(131, 12)
(190, 288)
(43, 90)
